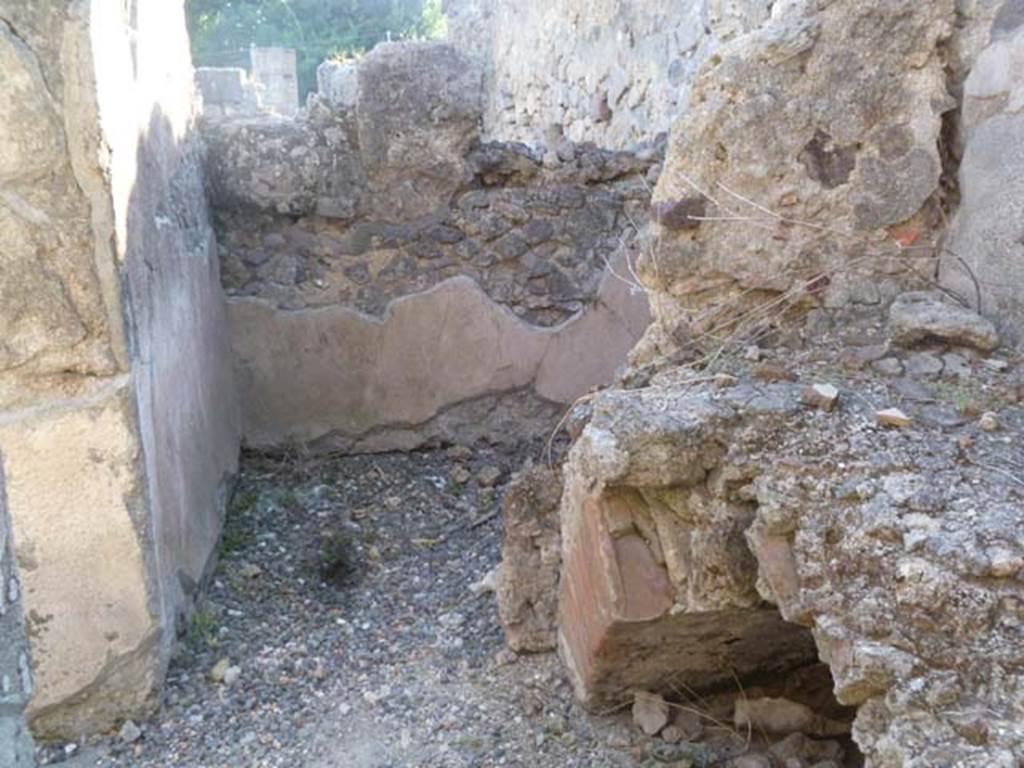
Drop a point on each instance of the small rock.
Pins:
(989, 421)
(488, 476)
(231, 675)
(995, 364)
(1004, 564)
(460, 475)
(129, 732)
(688, 723)
(771, 372)
(249, 570)
(956, 365)
(892, 417)
(923, 364)
(672, 734)
(888, 366)
(487, 584)
(780, 716)
(219, 669)
(752, 761)
(650, 712)
(752, 353)
(460, 453)
(724, 381)
(919, 315)
(822, 396)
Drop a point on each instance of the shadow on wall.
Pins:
(183, 379)
(166, 442)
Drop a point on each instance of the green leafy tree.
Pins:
(223, 30)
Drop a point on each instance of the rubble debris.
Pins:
(530, 559)
(892, 417)
(650, 712)
(920, 315)
(821, 396)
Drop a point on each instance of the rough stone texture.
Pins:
(984, 260)
(58, 310)
(658, 588)
(74, 486)
(118, 425)
(907, 566)
(614, 72)
(536, 240)
(338, 82)
(919, 315)
(897, 548)
(16, 750)
(530, 559)
(829, 113)
(396, 153)
(418, 114)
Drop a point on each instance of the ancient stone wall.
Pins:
(614, 72)
(227, 91)
(734, 79)
(791, 186)
(118, 425)
(393, 279)
(273, 71)
(984, 254)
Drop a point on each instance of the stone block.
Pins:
(530, 559)
(338, 83)
(984, 253)
(657, 588)
(275, 73)
(419, 107)
(690, 511)
(778, 124)
(75, 492)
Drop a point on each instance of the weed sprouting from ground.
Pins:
(338, 561)
(202, 629)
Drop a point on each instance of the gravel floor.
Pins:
(344, 606)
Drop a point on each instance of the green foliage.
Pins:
(223, 30)
(202, 630)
